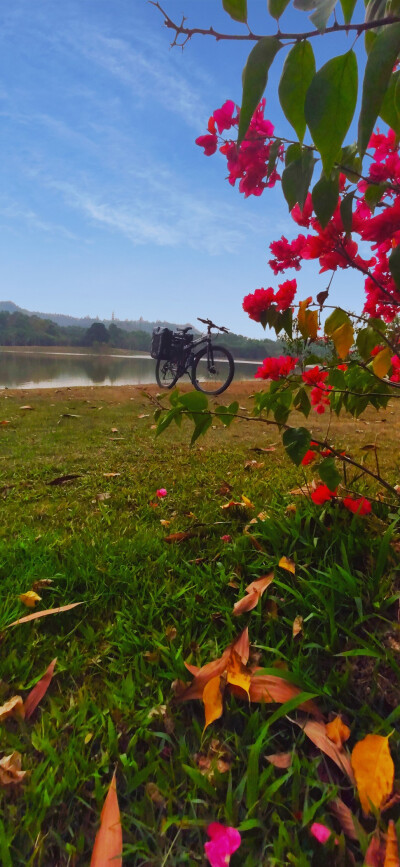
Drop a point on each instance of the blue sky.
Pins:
(106, 203)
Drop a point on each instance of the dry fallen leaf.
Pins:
(13, 707)
(254, 465)
(337, 731)
(316, 732)
(164, 522)
(108, 843)
(38, 614)
(392, 847)
(41, 583)
(30, 598)
(213, 699)
(224, 489)
(297, 627)
(178, 537)
(10, 770)
(288, 564)
(280, 760)
(144, 415)
(36, 694)
(102, 497)
(375, 853)
(254, 592)
(373, 770)
(237, 673)
(114, 430)
(62, 480)
(26, 407)
(153, 792)
(171, 632)
(5, 421)
(111, 475)
(344, 817)
(271, 689)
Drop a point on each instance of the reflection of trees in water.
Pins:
(60, 370)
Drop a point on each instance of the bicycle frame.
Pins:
(185, 364)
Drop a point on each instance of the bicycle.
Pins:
(181, 356)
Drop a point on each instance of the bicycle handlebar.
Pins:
(211, 325)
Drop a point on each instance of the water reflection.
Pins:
(42, 370)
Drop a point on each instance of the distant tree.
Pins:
(97, 333)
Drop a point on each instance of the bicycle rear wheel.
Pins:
(167, 373)
(213, 369)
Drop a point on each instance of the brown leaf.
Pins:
(10, 770)
(316, 732)
(114, 430)
(392, 848)
(241, 646)
(373, 770)
(271, 689)
(271, 609)
(255, 543)
(36, 694)
(213, 699)
(297, 626)
(101, 497)
(344, 816)
(202, 675)
(337, 731)
(111, 475)
(108, 843)
(171, 632)
(254, 592)
(224, 489)
(280, 760)
(41, 583)
(178, 537)
(26, 407)
(264, 450)
(5, 421)
(144, 415)
(254, 465)
(62, 480)
(375, 853)
(13, 707)
(288, 564)
(37, 614)
(153, 792)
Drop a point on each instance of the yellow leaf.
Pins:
(382, 362)
(13, 707)
(297, 625)
(373, 770)
(237, 673)
(392, 849)
(337, 731)
(30, 598)
(88, 738)
(246, 502)
(312, 323)
(303, 317)
(212, 699)
(286, 563)
(343, 338)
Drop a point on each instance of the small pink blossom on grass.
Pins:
(162, 492)
(321, 832)
(224, 842)
(226, 538)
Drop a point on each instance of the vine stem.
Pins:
(188, 32)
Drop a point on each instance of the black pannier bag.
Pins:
(161, 343)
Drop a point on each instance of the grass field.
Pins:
(149, 606)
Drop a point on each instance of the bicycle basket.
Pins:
(161, 343)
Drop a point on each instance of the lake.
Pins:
(59, 370)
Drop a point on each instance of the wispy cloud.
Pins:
(13, 211)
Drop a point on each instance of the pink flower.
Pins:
(209, 143)
(320, 832)
(358, 507)
(224, 842)
(322, 494)
(224, 116)
(161, 492)
(226, 538)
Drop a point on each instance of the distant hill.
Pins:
(20, 327)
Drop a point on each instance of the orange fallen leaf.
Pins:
(392, 847)
(280, 760)
(375, 853)
(13, 707)
(108, 843)
(288, 564)
(237, 673)
(114, 430)
(241, 646)
(344, 816)
(111, 475)
(316, 732)
(36, 694)
(10, 770)
(144, 415)
(37, 614)
(178, 537)
(271, 689)
(30, 598)
(213, 699)
(337, 731)
(254, 592)
(5, 421)
(373, 770)
(297, 626)
(254, 465)
(246, 502)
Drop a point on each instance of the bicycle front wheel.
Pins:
(213, 369)
(166, 373)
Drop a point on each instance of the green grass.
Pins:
(110, 704)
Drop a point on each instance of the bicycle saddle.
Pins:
(184, 330)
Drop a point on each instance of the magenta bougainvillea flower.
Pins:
(223, 843)
(161, 492)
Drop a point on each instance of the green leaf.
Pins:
(255, 77)
(301, 402)
(203, 422)
(350, 163)
(273, 156)
(346, 212)
(237, 9)
(296, 179)
(194, 401)
(328, 473)
(297, 75)
(276, 8)
(390, 108)
(200, 780)
(369, 38)
(337, 318)
(293, 152)
(378, 70)
(325, 197)
(226, 414)
(330, 104)
(323, 10)
(166, 420)
(394, 265)
(348, 7)
(373, 194)
(296, 441)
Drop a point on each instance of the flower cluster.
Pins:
(276, 368)
(258, 302)
(319, 395)
(222, 844)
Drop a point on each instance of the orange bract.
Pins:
(213, 699)
(108, 843)
(373, 770)
(254, 592)
(392, 848)
(337, 731)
